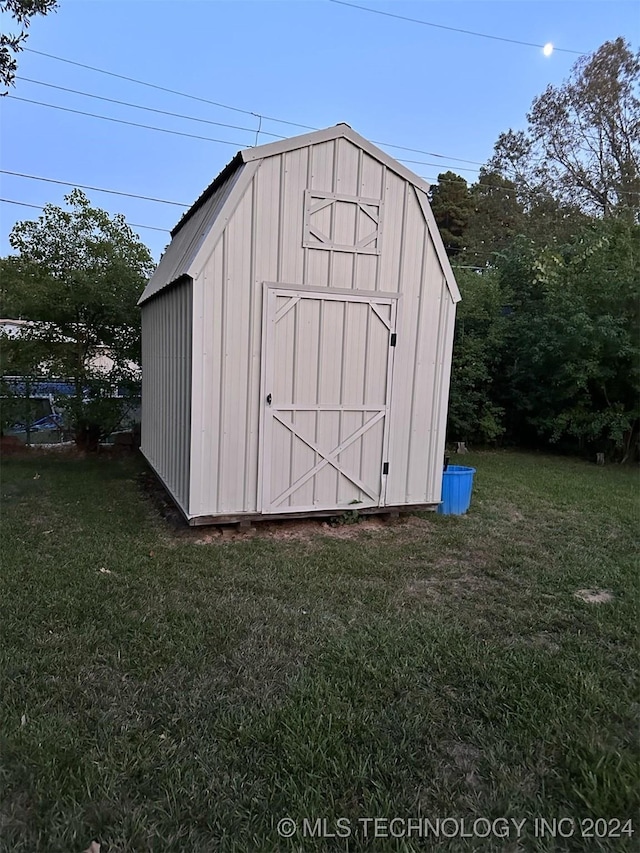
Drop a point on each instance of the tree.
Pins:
(451, 205)
(79, 274)
(477, 353)
(496, 217)
(582, 144)
(571, 368)
(546, 348)
(10, 45)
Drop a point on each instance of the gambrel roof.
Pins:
(208, 216)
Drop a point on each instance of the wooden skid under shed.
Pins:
(250, 518)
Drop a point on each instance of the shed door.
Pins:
(326, 385)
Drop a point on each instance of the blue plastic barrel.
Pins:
(457, 483)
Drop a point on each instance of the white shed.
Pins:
(297, 337)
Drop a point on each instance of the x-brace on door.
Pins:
(326, 384)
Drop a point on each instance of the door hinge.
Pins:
(394, 339)
(385, 468)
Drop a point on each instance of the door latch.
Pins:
(268, 399)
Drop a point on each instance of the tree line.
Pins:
(546, 250)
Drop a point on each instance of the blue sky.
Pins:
(313, 62)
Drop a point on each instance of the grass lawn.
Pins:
(164, 692)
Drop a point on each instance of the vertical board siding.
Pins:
(236, 316)
(293, 186)
(227, 433)
(322, 173)
(441, 397)
(253, 383)
(410, 283)
(267, 220)
(420, 420)
(423, 360)
(347, 174)
(371, 178)
(263, 242)
(166, 388)
(392, 239)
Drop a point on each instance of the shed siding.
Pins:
(263, 242)
(227, 381)
(166, 388)
(421, 377)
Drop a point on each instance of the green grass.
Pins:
(190, 695)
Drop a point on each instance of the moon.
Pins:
(547, 49)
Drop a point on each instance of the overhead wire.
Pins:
(94, 189)
(255, 114)
(182, 133)
(41, 207)
(428, 153)
(257, 130)
(130, 123)
(452, 29)
(148, 109)
(166, 89)
(197, 136)
(234, 108)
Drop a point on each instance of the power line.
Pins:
(178, 132)
(252, 113)
(130, 123)
(184, 205)
(238, 127)
(41, 207)
(452, 29)
(434, 181)
(148, 109)
(231, 107)
(170, 91)
(227, 142)
(428, 153)
(95, 189)
(424, 163)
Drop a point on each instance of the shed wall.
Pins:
(264, 242)
(166, 387)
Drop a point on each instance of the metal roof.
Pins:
(191, 230)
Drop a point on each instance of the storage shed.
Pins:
(297, 337)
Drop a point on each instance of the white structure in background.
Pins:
(101, 362)
(297, 337)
